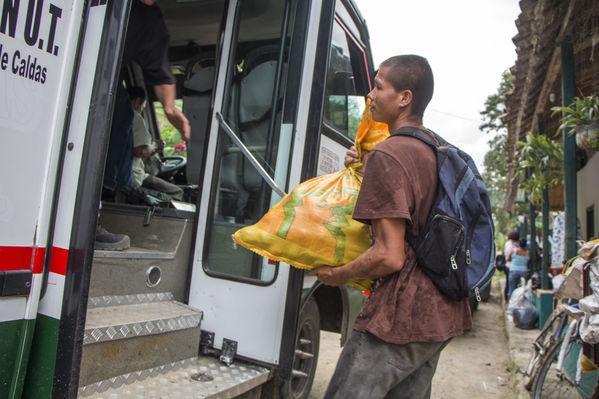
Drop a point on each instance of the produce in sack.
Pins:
(312, 226)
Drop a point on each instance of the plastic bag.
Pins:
(312, 226)
(526, 317)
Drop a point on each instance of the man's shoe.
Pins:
(111, 242)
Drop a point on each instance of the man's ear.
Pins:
(405, 98)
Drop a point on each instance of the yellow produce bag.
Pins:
(312, 226)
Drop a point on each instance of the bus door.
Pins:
(259, 85)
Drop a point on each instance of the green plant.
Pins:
(582, 111)
(543, 157)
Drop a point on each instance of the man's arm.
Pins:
(385, 257)
(166, 95)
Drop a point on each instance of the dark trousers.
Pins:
(119, 160)
(369, 368)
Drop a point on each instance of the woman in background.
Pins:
(518, 265)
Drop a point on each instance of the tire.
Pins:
(307, 343)
(549, 383)
(542, 347)
(486, 293)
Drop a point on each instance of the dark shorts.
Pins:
(371, 368)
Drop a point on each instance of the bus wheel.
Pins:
(306, 353)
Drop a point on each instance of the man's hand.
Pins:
(351, 156)
(332, 276)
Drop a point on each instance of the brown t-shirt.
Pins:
(400, 181)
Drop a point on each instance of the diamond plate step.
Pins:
(212, 379)
(138, 336)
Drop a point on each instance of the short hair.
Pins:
(411, 72)
(136, 92)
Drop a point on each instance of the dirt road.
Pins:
(472, 366)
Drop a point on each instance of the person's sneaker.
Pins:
(109, 241)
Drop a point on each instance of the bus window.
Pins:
(346, 86)
(253, 108)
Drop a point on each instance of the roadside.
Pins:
(475, 364)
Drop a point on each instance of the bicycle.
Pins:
(560, 374)
(559, 371)
(544, 343)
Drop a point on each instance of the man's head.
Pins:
(403, 85)
(148, 2)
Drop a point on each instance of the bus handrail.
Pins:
(246, 152)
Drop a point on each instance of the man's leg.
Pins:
(120, 146)
(418, 384)
(370, 368)
(158, 184)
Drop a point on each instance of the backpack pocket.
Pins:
(438, 251)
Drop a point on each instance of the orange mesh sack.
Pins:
(312, 226)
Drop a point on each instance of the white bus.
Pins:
(183, 312)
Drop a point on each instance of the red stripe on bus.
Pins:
(28, 258)
(39, 256)
(15, 258)
(58, 263)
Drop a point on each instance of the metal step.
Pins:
(158, 260)
(196, 378)
(137, 335)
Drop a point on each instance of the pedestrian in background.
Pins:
(510, 246)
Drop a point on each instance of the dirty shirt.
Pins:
(400, 181)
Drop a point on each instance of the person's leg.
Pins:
(418, 384)
(507, 285)
(158, 184)
(120, 147)
(370, 368)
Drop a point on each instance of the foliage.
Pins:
(582, 111)
(168, 133)
(495, 105)
(495, 168)
(543, 157)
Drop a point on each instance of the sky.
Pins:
(468, 44)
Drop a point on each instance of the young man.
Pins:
(398, 336)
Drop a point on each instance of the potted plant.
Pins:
(582, 117)
(544, 158)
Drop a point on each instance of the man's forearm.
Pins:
(166, 95)
(371, 264)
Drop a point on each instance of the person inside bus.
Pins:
(145, 150)
(398, 336)
(146, 44)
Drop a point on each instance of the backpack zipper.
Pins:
(471, 233)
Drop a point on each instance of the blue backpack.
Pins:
(456, 249)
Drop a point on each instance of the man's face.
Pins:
(148, 2)
(385, 102)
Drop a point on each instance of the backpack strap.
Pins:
(411, 131)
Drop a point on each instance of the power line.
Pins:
(455, 116)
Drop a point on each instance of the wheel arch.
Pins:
(333, 305)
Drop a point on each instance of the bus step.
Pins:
(142, 332)
(195, 378)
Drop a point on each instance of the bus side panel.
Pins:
(37, 47)
(77, 86)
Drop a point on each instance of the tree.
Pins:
(495, 173)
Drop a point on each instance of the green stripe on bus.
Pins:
(40, 373)
(17, 336)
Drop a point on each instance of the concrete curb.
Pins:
(520, 349)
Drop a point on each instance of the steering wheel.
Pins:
(171, 165)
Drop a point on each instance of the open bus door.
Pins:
(245, 298)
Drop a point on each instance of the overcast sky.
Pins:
(468, 44)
